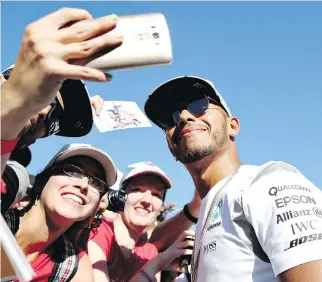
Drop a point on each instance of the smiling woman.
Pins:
(115, 248)
(65, 196)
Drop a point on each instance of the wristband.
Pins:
(145, 275)
(4, 189)
(7, 146)
(189, 215)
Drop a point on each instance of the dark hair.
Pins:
(40, 180)
(22, 156)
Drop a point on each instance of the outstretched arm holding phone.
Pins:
(43, 64)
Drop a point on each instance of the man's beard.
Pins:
(219, 139)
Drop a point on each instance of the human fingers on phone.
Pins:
(59, 18)
(92, 48)
(86, 29)
(76, 72)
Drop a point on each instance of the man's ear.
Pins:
(234, 127)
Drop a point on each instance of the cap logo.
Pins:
(54, 127)
(198, 85)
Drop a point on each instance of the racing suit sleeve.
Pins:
(285, 210)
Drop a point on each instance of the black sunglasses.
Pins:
(197, 108)
(52, 118)
(74, 172)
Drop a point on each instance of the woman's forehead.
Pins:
(149, 180)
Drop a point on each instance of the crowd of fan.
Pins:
(72, 226)
(64, 218)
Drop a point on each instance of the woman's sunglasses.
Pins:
(74, 172)
(197, 108)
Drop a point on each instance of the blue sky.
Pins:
(264, 58)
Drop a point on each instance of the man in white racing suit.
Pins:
(257, 223)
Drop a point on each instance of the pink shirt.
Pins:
(44, 266)
(119, 268)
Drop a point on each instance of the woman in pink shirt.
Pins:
(65, 196)
(115, 249)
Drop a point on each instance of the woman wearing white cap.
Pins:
(65, 196)
(115, 249)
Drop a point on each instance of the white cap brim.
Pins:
(143, 168)
(72, 150)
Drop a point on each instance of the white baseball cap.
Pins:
(141, 168)
(71, 150)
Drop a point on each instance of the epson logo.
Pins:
(294, 199)
(210, 247)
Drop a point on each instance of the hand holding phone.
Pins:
(146, 42)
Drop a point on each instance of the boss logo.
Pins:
(210, 247)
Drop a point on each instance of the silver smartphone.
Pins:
(146, 42)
